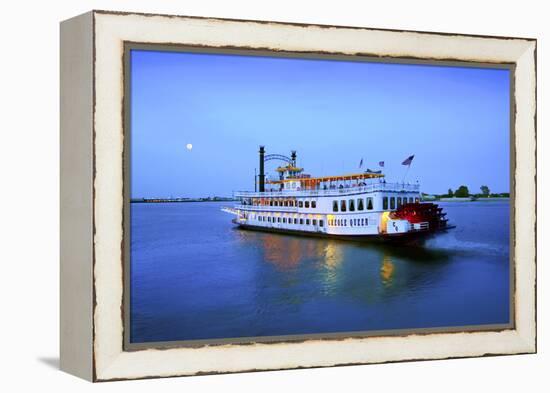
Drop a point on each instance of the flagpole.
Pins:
(407, 162)
(406, 173)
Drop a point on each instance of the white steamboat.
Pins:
(359, 206)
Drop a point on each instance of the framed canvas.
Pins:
(244, 195)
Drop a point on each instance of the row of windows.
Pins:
(397, 202)
(290, 203)
(350, 204)
(289, 220)
(353, 222)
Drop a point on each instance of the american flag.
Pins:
(381, 163)
(408, 161)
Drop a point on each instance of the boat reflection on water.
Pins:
(387, 270)
(326, 267)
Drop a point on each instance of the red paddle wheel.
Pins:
(423, 212)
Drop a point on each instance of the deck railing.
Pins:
(392, 187)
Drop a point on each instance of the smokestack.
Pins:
(262, 174)
(293, 157)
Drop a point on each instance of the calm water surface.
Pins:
(194, 276)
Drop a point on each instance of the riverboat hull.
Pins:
(406, 238)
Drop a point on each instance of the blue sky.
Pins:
(455, 120)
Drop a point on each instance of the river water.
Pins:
(195, 276)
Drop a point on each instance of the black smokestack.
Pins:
(262, 174)
(293, 157)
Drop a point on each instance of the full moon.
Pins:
(189, 146)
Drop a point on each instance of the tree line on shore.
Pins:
(464, 192)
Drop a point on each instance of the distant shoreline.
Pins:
(181, 200)
(489, 199)
(224, 199)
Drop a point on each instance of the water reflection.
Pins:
(387, 270)
(338, 265)
(285, 253)
(333, 255)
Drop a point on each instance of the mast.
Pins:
(262, 173)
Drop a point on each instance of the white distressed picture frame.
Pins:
(92, 190)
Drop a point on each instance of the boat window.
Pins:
(362, 221)
(307, 221)
(313, 204)
(301, 221)
(321, 223)
(392, 203)
(352, 222)
(295, 221)
(307, 203)
(345, 222)
(314, 222)
(399, 201)
(369, 203)
(351, 205)
(334, 206)
(385, 203)
(343, 205)
(284, 220)
(300, 204)
(360, 204)
(417, 199)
